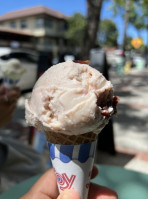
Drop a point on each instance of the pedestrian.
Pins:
(17, 160)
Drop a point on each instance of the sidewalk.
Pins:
(131, 125)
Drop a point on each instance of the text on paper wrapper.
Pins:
(64, 181)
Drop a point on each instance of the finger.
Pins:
(13, 94)
(7, 116)
(69, 194)
(6, 107)
(101, 192)
(2, 90)
(95, 172)
(5, 100)
(10, 112)
(35, 195)
(17, 90)
(48, 180)
(2, 100)
(46, 186)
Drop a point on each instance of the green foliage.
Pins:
(128, 43)
(117, 7)
(76, 26)
(141, 14)
(134, 13)
(138, 12)
(108, 33)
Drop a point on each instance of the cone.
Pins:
(59, 138)
(12, 71)
(72, 158)
(10, 83)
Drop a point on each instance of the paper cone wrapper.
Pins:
(73, 165)
(10, 83)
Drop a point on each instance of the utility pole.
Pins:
(126, 20)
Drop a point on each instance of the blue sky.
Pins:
(69, 7)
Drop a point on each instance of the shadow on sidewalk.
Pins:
(129, 117)
(125, 94)
(119, 159)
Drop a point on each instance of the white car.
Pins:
(29, 59)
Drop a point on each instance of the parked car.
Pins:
(28, 58)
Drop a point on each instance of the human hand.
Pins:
(8, 100)
(46, 188)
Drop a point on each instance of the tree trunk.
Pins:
(146, 49)
(126, 20)
(93, 19)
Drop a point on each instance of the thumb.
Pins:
(2, 90)
(69, 194)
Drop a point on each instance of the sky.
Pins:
(68, 8)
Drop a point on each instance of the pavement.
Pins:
(130, 126)
(131, 123)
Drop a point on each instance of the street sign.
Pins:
(136, 43)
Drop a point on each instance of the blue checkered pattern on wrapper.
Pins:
(10, 81)
(66, 152)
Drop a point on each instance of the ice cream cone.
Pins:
(12, 73)
(59, 138)
(10, 83)
(73, 164)
(77, 101)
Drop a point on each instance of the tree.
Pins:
(126, 21)
(140, 19)
(134, 12)
(91, 29)
(76, 26)
(108, 33)
(124, 7)
(128, 45)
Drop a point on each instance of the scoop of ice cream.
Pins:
(69, 98)
(13, 69)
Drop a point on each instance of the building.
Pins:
(38, 27)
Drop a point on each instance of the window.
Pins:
(48, 23)
(23, 24)
(23, 57)
(12, 24)
(39, 22)
(57, 41)
(64, 26)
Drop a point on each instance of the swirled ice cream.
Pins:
(71, 102)
(70, 98)
(13, 69)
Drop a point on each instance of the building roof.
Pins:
(15, 31)
(32, 11)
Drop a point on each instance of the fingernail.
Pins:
(69, 194)
(64, 196)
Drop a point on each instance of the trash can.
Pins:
(140, 63)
